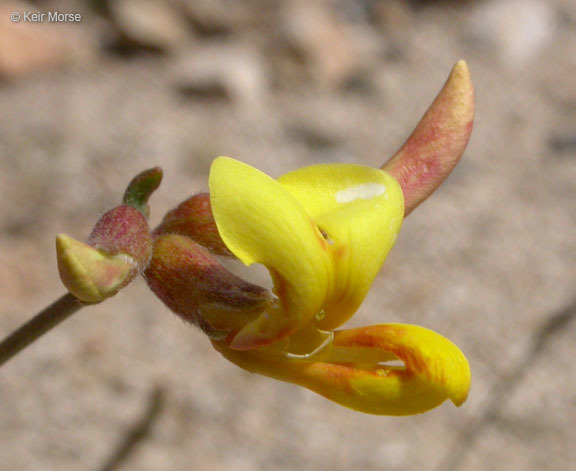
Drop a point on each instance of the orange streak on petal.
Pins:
(435, 370)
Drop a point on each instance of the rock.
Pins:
(394, 16)
(563, 144)
(153, 24)
(216, 17)
(229, 71)
(315, 39)
(515, 29)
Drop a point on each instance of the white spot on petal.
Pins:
(365, 191)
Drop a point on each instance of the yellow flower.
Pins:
(323, 233)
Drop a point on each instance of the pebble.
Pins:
(231, 71)
(515, 30)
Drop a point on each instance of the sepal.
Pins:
(197, 287)
(141, 188)
(123, 230)
(193, 218)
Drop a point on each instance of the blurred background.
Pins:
(488, 261)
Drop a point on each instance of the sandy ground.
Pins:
(488, 261)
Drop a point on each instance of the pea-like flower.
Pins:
(323, 232)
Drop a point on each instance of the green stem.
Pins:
(41, 323)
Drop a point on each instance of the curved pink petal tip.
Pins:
(436, 145)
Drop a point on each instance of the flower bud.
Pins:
(193, 218)
(123, 230)
(196, 286)
(119, 246)
(90, 274)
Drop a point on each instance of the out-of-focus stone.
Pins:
(556, 77)
(31, 47)
(317, 41)
(154, 24)
(516, 29)
(233, 72)
(392, 15)
(217, 17)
